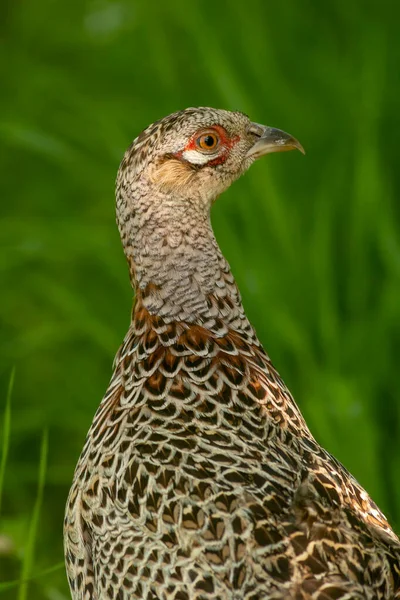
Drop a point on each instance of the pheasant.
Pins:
(199, 478)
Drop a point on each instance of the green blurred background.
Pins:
(314, 241)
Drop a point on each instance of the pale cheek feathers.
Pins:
(196, 158)
(172, 174)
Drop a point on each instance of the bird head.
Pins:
(198, 153)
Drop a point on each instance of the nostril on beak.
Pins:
(256, 129)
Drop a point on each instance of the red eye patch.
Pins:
(224, 140)
(223, 143)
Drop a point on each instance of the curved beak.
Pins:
(271, 140)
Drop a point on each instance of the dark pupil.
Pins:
(209, 141)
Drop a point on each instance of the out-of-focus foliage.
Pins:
(314, 241)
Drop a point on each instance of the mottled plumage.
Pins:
(199, 478)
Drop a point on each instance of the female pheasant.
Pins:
(199, 478)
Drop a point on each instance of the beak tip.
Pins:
(300, 147)
(293, 144)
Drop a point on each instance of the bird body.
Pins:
(199, 478)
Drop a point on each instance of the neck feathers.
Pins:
(183, 276)
(175, 263)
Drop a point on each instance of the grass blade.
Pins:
(33, 527)
(7, 585)
(6, 433)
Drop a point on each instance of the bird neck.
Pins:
(176, 265)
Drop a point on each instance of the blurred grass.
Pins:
(314, 242)
(33, 532)
(6, 434)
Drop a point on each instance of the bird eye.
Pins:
(208, 141)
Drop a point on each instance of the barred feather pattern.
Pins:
(199, 478)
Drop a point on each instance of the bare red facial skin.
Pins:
(225, 144)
